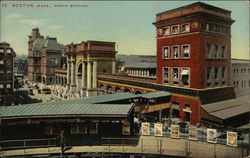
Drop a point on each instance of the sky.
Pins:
(128, 23)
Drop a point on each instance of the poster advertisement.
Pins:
(193, 133)
(211, 135)
(126, 128)
(158, 129)
(175, 133)
(232, 138)
(145, 128)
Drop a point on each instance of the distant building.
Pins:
(241, 76)
(21, 66)
(137, 65)
(45, 55)
(7, 58)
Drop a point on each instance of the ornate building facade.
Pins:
(45, 55)
(85, 60)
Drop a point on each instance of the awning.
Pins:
(245, 127)
(185, 72)
(187, 110)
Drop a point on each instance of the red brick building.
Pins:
(193, 60)
(194, 46)
(193, 51)
(45, 55)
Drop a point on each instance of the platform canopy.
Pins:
(229, 108)
(56, 109)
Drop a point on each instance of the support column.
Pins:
(94, 74)
(68, 75)
(83, 79)
(113, 66)
(73, 77)
(83, 75)
(89, 65)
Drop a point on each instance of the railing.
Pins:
(28, 143)
(145, 83)
(125, 77)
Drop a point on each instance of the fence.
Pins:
(28, 143)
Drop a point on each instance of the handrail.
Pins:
(20, 140)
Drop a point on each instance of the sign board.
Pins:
(175, 132)
(145, 128)
(158, 129)
(126, 128)
(232, 138)
(211, 135)
(192, 133)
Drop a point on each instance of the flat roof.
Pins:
(229, 108)
(56, 109)
(142, 65)
(240, 61)
(155, 95)
(103, 98)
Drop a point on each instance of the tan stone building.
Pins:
(241, 76)
(84, 61)
(45, 55)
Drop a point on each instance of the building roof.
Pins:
(229, 108)
(56, 109)
(142, 65)
(132, 59)
(4, 45)
(117, 97)
(240, 61)
(51, 44)
(155, 95)
(104, 98)
(38, 43)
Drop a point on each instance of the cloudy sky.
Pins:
(127, 23)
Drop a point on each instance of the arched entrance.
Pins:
(117, 90)
(109, 89)
(127, 90)
(138, 92)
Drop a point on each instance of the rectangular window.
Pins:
(175, 76)
(79, 128)
(208, 72)
(53, 60)
(165, 75)
(1, 50)
(175, 29)
(208, 50)
(186, 51)
(37, 53)
(1, 62)
(208, 27)
(223, 71)
(8, 51)
(216, 71)
(166, 30)
(1, 86)
(216, 51)
(8, 86)
(166, 53)
(185, 76)
(175, 50)
(185, 28)
(93, 128)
